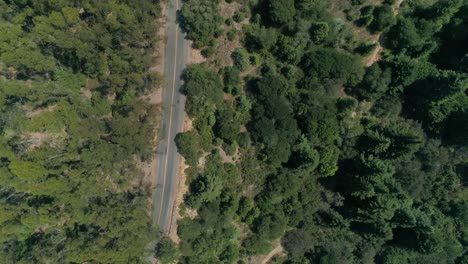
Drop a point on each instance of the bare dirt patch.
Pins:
(396, 8)
(229, 159)
(242, 129)
(202, 160)
(147, 168)
(34, 140)
(195, 56)
(250, 191)
(276, 251)
(86, 93)
(154, 97)
(376, 54)
(188, 125)
(226, 47)
(227, 9)
(111, 97)
(253, 71)
(228, 98)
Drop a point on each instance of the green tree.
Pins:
(255, 245)
(281, 11)
(241, 59)
(383, 18)
(201, 20)
(166, 251)
(203, 88)
(188, 144)
(375, 82)
(319, 32)
(227, 124)
(329, 63)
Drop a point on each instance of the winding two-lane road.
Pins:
(172, 120)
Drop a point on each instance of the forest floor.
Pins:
(226, 47)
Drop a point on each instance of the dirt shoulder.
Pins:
(182, 189)
(154, 98)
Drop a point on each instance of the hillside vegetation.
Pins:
(343, 163)
(71, 125)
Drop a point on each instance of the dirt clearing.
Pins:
(195, 56)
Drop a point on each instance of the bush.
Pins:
(281, 11)
(319, 32)
(255, 245)
(208, 51)
(238, 16)
(387, 106)
(231, 34)
(230, 149)
(365, 48)
(231, 76)
(189, 146)
(204, 90)
(254, 59)
(325, 63)
(383, 18)
(366, 17)
(241, 58)
(199, 18)
(166, 251)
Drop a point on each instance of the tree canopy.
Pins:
(72, 124)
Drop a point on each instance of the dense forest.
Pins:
(337, 158)
(72, 123)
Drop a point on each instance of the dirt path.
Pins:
(264, 259)
(277, 250)
(376, 54)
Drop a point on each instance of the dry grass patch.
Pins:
(31, 112)
(34, 140)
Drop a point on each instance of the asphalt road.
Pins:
(172, 120)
